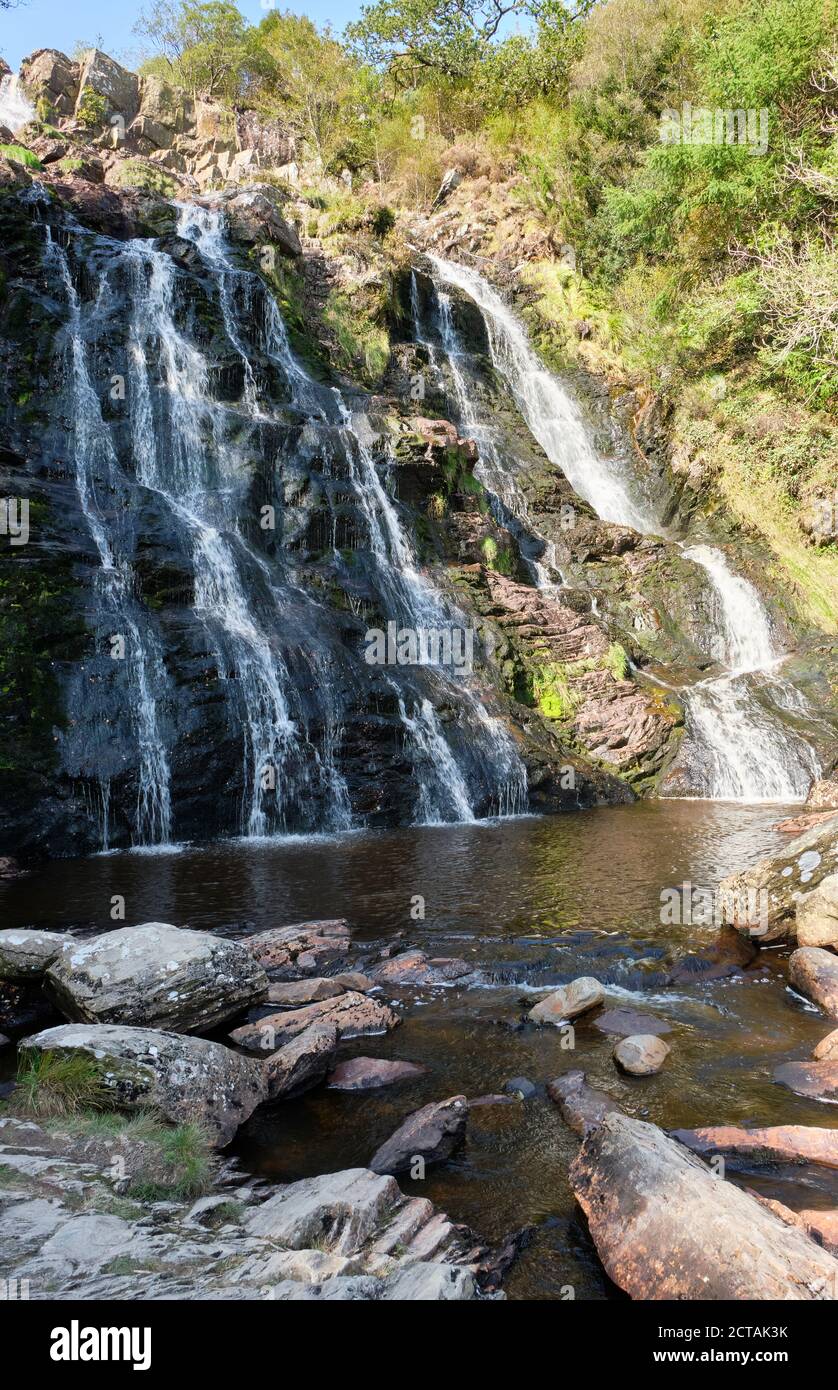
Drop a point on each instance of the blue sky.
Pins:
(64, 23)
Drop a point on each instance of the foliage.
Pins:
(49, 1084)
(207, 48)
(21, 156)
(92, 108)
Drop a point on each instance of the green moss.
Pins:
(363, 345)
(617, 661)
(552, 692)
(21, 155)
(137, 173)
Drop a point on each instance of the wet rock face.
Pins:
(665, 1227)
(156, 976)
(184, 1079)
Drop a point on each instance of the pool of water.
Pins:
(530, 902)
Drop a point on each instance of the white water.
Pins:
(736, 750)
(16, 110)
(96, 462)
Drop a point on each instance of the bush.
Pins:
(91, 109)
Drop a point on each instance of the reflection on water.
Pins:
(531, 902)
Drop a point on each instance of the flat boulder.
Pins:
(666, 1227)
(772, 1144)
(27, 955)
(817, 1080)
(184, 1079)
(301, 950)
(302, 1063)
(760, 902)
(415, 968)
(368, 1073)
(569, 1001)
(641, 1055)
(814, 972)
(622, 1023)
(582, 1106)
(816, 914)
(353, 1015)
(432, 1134)
(156, 976)
(292, 994)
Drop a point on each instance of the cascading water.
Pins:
(132, 641)
(736, 748)
(269, 646)
(16, 110)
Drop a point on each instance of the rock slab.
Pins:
(156, 976)
(433, 1134)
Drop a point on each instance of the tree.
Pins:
(204, 47)
(450, 37)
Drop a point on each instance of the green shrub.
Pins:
(92, 109)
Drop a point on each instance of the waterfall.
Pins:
(133, 641)
(201, 454)
(16, 110)
(735, 748)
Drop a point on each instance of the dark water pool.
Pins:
(531, 902)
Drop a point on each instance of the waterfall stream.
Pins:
(735, 748)
(273, 645)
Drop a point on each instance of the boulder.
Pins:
(431, 1134)
(302, 1063)
(520, 1087)
(367, 1073)
(27, 955)
(414, 968)
(186, 1080)
(761, 902)
(254, 217)
(666, 1228)
(119, 87)
(821, 1226)
(582, 1106)
(641, 1055)
(814, 972)
(816, 1080)
(622, 1023)
(300, 950)
(156, 975)
(816, 914)
(569, 1001)
(824, 795)
(354, 1016)
(165, 105)
(49, 77)
(827, 1048)
(353, 979)
(774, 1144)
(291, 994)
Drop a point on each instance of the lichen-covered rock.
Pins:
(816, 914)
(184, 1079)
(761, 901)
(156, 976)
(431, 1134)
(666, 1227)
(27, 955)
(353, 1015)
(815, 973)
(569, 1001)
